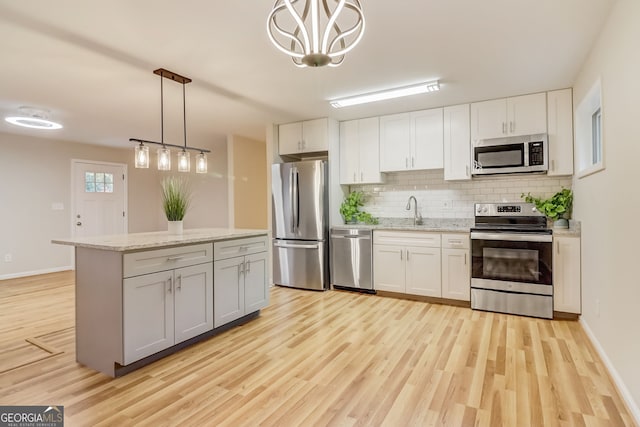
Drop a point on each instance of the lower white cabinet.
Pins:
(456, 268)
(566, 274)
(422, 263)
(407, 262)
(241, 285)
(165, 308)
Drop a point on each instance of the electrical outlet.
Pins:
(597, 308)
(8, 258)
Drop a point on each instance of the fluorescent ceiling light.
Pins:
(33, 118)
(398, 92)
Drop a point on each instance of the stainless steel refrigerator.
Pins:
(300, 224)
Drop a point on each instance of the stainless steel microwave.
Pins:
(519, 154)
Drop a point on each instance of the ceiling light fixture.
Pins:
(398, 92)
(313, 33)
(164, 154)
(33, 118)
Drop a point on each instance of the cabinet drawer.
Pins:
(455, 241)
(409, 238)
(239, 247)
(145, 262)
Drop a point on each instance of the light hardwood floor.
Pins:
(332, 358)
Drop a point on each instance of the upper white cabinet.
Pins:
(411, 141)
(457, 143)
(303, 137)
(499, 118)
(360, 151)
(560, 121)
(566, 274)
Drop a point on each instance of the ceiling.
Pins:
(90, 63)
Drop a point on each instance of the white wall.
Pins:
(608, 202)
(35, 172)
(438, 198)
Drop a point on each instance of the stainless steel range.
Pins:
(511, 251)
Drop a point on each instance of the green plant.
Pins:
(176, 197)
(557, 206)
(350, 209)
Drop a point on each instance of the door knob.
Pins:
(78, 223)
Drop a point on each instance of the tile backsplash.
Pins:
(438, 198)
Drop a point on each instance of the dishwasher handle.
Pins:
(351, 236)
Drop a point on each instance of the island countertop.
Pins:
(158, 239)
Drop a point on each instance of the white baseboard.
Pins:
(617, 379)
(36, 272)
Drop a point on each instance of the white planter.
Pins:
(175, 227)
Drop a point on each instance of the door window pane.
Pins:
(98, 182)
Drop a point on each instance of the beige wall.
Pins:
(608, 202)
(35, 172)
(249, 183)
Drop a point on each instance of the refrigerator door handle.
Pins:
(296, 211)
(288, 245)
(292, 200)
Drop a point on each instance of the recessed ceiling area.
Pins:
(91, 64)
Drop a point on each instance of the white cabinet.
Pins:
(457, 143)
(499, 118)
(360, 151)
(407, 262)
(566, 274)
(303, 137)
(456, 269)
(560, 122)
(412, 141)
(167, 307)
(240, 270)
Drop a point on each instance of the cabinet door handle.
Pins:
(175, 258)
(465, 258)
(248, 266)
(354, 177)
(512, 126)
(413, 162)
(407, 254)
(401, 254)
(467, 170)
(240, 270)
(504, 127)
(170, 284)
(179, 282)
(558, 248)
(304, 144)
(406, 162)
(361, 176)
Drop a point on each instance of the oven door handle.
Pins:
(512, 237)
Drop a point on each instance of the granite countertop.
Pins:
(573, 230)
(158, 239)
(460, 225)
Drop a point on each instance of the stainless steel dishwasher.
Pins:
(352, 259)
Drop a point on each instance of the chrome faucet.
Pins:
(417, 218)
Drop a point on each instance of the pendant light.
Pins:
(164, 153)
(314, 33)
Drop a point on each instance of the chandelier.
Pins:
(164, 154)
(316, 32)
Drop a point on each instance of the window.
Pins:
(589, 135)
(98, 182)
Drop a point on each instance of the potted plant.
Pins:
(557, 208)
(350, 209)
(176, 197)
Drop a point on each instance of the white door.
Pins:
(423, 271)
(427, 139)
(290, 138)
(193, 301)
(256, 288)
(527, 114)
(228, 290)
(395, 142)
(147, 315)
(489, 119)
(388, 268)
(100, 194)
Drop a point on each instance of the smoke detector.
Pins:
(33, 118)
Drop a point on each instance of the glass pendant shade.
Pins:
(201, 163)
(142, 157)
(184, 161)
(164, 159)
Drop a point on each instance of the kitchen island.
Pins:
(142, 296)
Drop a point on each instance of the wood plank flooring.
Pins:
(316, 359)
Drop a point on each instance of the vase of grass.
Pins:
(175, 201)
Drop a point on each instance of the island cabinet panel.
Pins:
(241, 286)
(192, 305)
